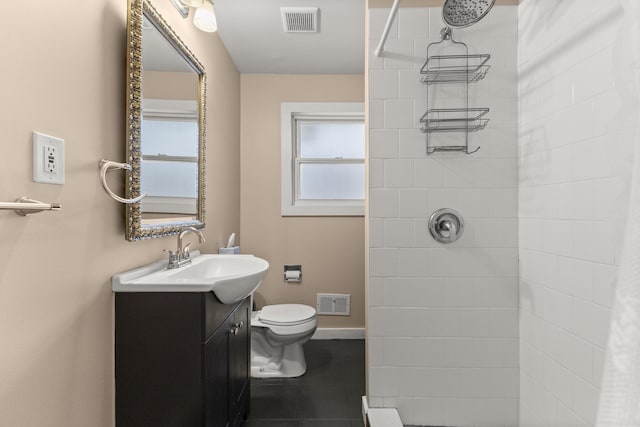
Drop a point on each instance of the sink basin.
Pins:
(231, 277)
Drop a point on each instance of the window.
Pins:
(323, 152)
(169, 164)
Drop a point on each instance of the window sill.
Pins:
(322, 210)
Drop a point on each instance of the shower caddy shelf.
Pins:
(453, 69)
(450, 69)
(454, 120)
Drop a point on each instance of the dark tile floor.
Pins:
(329, 394)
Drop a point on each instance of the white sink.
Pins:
(231, 277)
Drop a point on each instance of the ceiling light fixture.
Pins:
(192, 3)
(181, 8)
(205, 18)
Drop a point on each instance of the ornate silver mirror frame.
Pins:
(136, 228)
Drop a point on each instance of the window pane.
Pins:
(170, 137)
(169, 179)
(321, 181)
(324, 140)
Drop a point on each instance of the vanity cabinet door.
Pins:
(216, 359)
(239, 360)
(182, 360)
(158, 365)
(226, 358)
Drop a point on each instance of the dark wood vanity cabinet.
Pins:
(181, 360)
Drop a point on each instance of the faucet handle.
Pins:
(185, 251)
(172, 254)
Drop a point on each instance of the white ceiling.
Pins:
(252, 32)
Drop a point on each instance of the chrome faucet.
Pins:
(182, 257)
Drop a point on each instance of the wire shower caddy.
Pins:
(460, 68)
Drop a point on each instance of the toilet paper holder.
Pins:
(292, 273)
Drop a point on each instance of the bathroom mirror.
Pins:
(165, 129)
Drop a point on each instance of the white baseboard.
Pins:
(384, 417)
(338, 334)
(379, 417)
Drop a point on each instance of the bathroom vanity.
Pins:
(181, 359)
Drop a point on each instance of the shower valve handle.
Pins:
(446, 225)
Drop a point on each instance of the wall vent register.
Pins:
(334, 304)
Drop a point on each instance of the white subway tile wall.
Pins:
(443, 319)
(575, 148)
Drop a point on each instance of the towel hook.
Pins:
(108, 166)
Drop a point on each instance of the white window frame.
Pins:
(290, 205)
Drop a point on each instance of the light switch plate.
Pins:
(48, 159)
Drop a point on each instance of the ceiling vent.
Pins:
(300, 19)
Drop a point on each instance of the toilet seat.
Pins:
(285, 319)
(286, 314)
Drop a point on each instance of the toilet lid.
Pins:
(286, 314)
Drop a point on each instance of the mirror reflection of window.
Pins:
(169, 130)
(169, 164)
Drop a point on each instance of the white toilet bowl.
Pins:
(277, 334)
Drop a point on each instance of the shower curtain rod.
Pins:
(387, 27)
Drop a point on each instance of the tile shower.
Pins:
(508, 325)
(578, 103)
(443, 319)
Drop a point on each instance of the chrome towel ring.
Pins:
(108, 166)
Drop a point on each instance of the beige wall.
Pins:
(330, 249)
(63, 74)
(170, 85)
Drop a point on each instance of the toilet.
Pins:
(277, 334)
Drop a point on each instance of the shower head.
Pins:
(463, 13)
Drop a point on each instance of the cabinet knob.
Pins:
(235, 329)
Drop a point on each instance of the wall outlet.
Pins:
(48, 159)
